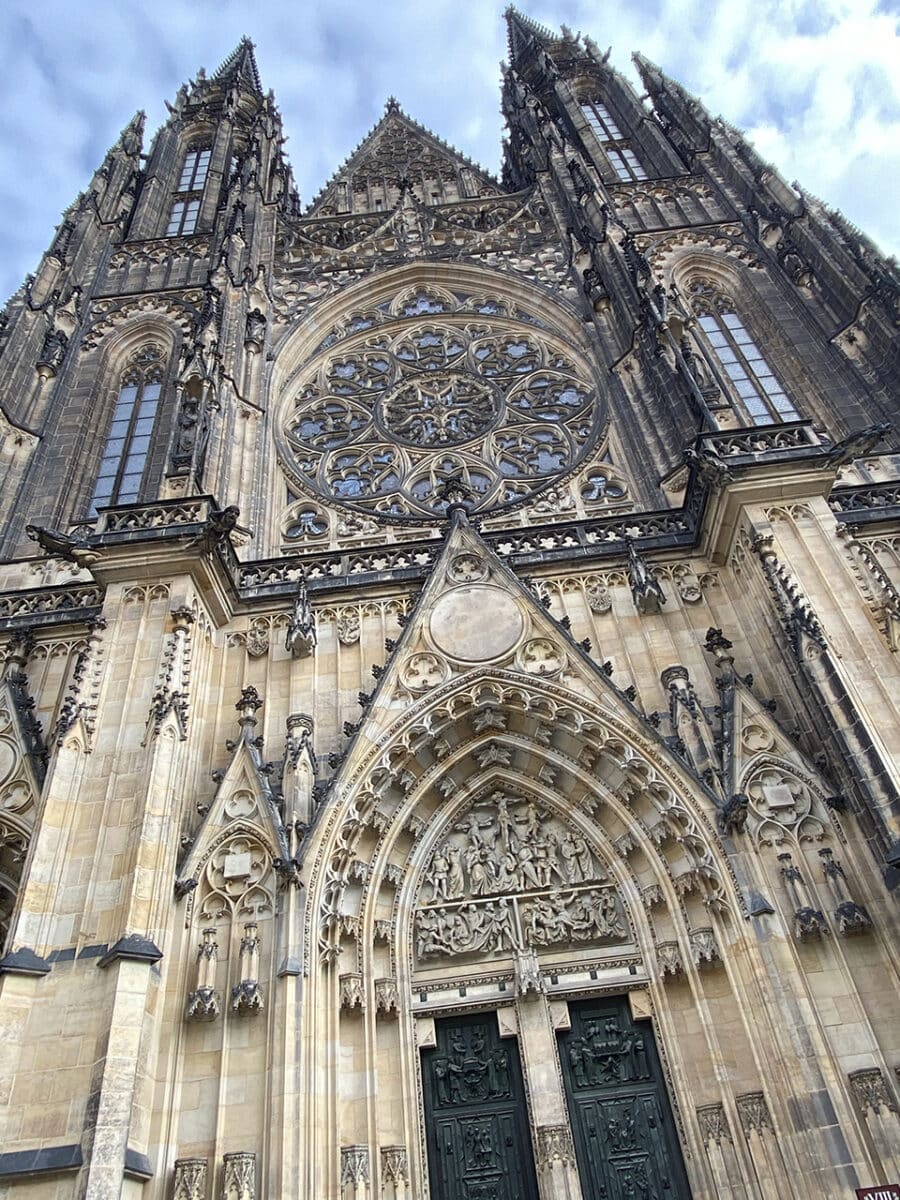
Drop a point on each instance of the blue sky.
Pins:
(814, 83)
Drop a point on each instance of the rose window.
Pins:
(388, 414)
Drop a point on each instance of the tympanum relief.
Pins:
(511, 875)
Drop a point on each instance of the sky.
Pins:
(815, 84)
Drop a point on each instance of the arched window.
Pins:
(625, 162)
(758, 394)
(128, 443)
(185, 209)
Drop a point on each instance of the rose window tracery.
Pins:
(390, 412)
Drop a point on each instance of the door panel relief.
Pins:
(625, 1140)
(479, 1146)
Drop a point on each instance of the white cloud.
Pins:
(816, 82)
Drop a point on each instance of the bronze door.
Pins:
(625, 1139)
(479, 1147)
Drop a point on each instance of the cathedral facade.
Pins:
(450, 704)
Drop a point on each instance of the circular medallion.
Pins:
(477, 623)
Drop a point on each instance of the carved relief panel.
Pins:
(478, 1142)
(510, 875)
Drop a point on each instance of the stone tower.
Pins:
(450, 706)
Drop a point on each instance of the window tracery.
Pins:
(760, 395)
(185, 209)
(402, 402)
(128, 442)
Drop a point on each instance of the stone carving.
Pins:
(205, 1003)
(598, 598)
(394, 1165)
(870, 1091)
(704, 948)
(646, 589)
(668, 956)
(508, 844)
(423, 671)
(246, 996)
(380, 424)
(239, 1177)
(775, 795)
(540, 656)
(850, 917)
(528, 973)
(190, 1179)
(348, 627)
(353, 992)
(606, 1054)
(467, 568)
(713, 1124)
(809, 922)
(354, 1164)
(498, 926)
(301, 631)
(387, 997)
(554, 1145)
(753, 1113)
(472, 1071)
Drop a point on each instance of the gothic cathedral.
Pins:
(450, 700)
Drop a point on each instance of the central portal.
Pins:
(479, 1146)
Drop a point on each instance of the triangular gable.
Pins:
(776, 792)
(475, 613)
(399, 147)
(244, 804)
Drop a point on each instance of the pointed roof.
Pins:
(240, 66)
(521, 29)
(421, 142)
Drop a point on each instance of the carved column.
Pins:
(878, 1109)
(205, 1003)
(246, 996)
(239, 1178)
(190, 1179)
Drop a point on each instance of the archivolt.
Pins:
(586, 764)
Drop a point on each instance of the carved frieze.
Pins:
(543, 881)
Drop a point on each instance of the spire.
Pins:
(240, 66)
(521, 30)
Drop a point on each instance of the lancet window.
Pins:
(623, 159)
(185, 209)
(758, 390)
(757, 393)
(124, 460)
